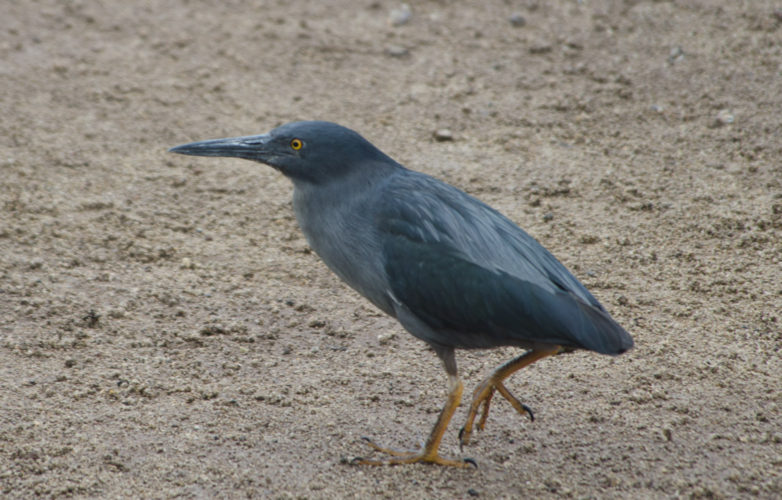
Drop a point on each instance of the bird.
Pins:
(453, 271)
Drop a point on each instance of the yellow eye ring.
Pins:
(296, 144)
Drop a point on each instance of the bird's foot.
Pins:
(482, 397)
(398, 457)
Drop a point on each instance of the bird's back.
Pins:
(440, 213)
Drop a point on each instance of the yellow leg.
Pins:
(485, 391)
(429, 454)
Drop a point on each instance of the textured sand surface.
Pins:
(165, 330)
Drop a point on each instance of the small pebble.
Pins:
(724, 117)
(400, 16)
(443, 135)
(540, 48)
(517, 20)
(397, 51)
(385, 338)
(676, 54)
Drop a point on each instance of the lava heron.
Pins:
(453, 271)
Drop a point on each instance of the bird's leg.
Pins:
(433, 442)
(429, 453)
(485, 391)
(518, 405)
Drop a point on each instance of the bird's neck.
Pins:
(342, 186)
(334, 199)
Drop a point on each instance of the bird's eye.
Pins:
(296, 144)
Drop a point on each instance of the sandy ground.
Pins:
(166, 332)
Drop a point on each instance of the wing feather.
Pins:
(478, 280)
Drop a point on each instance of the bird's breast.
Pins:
(340, 231)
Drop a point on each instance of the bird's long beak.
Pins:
(251, 147)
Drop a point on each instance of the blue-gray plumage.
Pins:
(455, 272)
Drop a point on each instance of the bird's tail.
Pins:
(594, 329)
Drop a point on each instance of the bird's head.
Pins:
(312, 151)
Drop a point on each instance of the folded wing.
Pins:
(477, 280)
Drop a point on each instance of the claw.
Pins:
(471, 462)
(529, 412)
